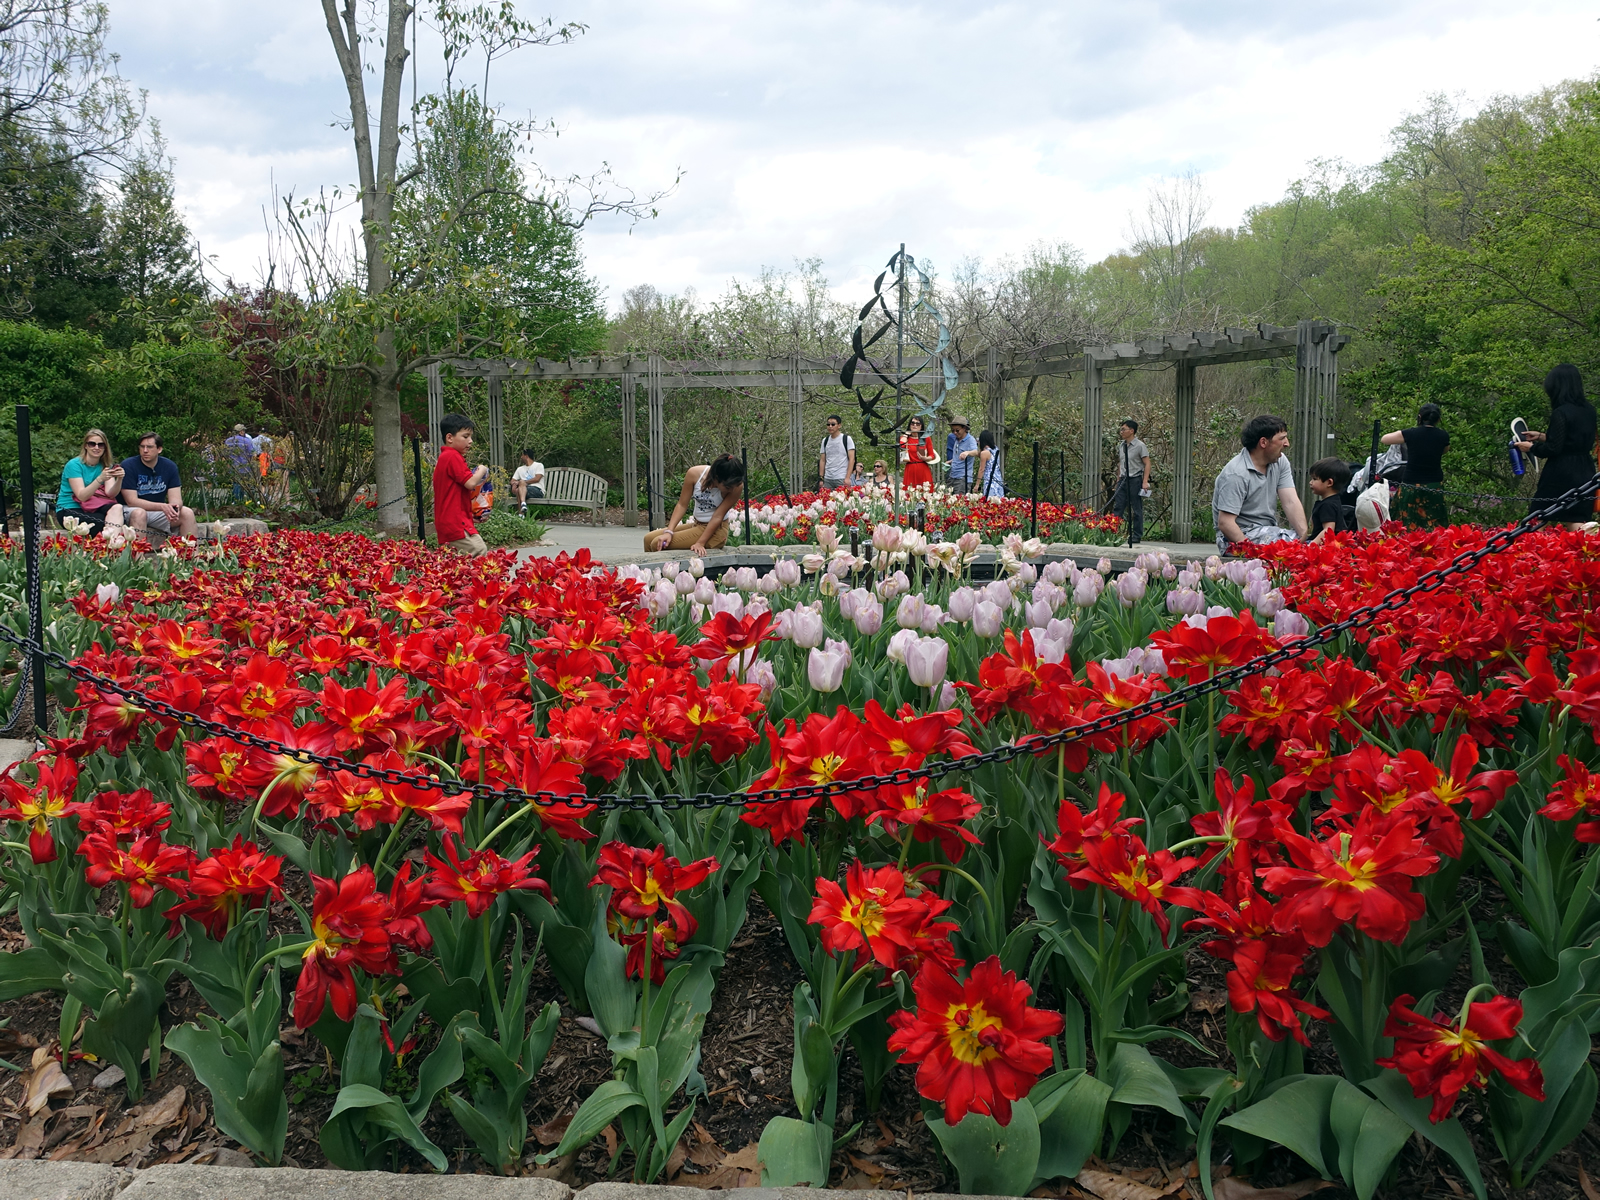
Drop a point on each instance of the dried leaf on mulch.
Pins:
(46, 1082)
(733, 1171)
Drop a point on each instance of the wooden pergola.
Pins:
(656, 376)
(1315, 346)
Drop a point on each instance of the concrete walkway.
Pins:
(88, 1181)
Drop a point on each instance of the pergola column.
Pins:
(797, 450)
(435, 406)
(1316, 385)
(997, 408)
(497, 426)
(1183, 453)
(1093, 386)
(630, 452)
(658, 445)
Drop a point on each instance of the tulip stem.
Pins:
(514, 817)
(394, 836)
(1466, 1003)
(988, 904)
(280, 952)
(261, 802)
(489, 973)
(1198, 841)
(644, 979)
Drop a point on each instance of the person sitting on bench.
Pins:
(151, 482)
(528, 481)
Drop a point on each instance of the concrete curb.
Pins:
(188, 1182)
(90, 1181)
(60, 1181)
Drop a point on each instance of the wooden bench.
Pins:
(574, 487)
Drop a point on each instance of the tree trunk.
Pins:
(377, 178)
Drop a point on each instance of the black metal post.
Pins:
(1033, 524)
(782, 486)
(1372, 463)
(30, 547)
(422, 517)
(745, 463)
(1061, 460)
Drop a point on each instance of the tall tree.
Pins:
(409, 311)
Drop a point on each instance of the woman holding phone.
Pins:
(90, 485)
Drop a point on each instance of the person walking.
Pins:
(1567, 444)
(963, 456)
(1249, 489)
(1421, 502)
(709, 491)
(836, 462)
(1133, 479)
(991, 485)
(916, 451)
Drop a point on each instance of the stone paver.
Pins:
(14, 750)
(186, 1182)
(658, 1191)
(59, 1181)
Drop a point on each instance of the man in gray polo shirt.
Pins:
(1248, 491)
(1133, 479)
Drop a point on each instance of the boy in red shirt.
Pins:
(453, 485)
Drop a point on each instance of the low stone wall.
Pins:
(88, 1181)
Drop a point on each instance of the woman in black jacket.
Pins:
(1568, 444)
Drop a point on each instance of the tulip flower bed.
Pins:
(1336, 920)
(947, 516)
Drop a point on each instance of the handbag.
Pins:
(97, 501)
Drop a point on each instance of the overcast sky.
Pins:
(819, 128)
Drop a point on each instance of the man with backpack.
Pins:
(836, 464)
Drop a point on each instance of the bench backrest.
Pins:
(574, 484)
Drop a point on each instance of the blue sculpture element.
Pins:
(935, 361)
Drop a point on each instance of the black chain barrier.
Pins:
(1036, 745)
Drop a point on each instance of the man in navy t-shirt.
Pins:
(150, 481)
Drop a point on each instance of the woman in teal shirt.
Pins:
(90, 484)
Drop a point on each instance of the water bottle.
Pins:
(1518, 466)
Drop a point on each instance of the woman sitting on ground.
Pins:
(90, 485)
(710, 492)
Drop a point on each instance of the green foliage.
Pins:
(503, 527)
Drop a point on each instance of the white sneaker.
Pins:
(523, 511)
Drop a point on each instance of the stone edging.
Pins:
(90, 1181)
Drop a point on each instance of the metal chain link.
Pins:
(1156, 706)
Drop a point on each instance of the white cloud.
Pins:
(837, 129)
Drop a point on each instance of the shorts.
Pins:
(471, 546)
(157, 521)
(833, 483)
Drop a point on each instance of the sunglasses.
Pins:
(91, 445)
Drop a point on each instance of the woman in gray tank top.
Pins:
(709, 492)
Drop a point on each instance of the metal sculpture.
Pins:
(934, 368)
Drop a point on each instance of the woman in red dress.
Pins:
(916, 451)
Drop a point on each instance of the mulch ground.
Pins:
(746, 1051)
